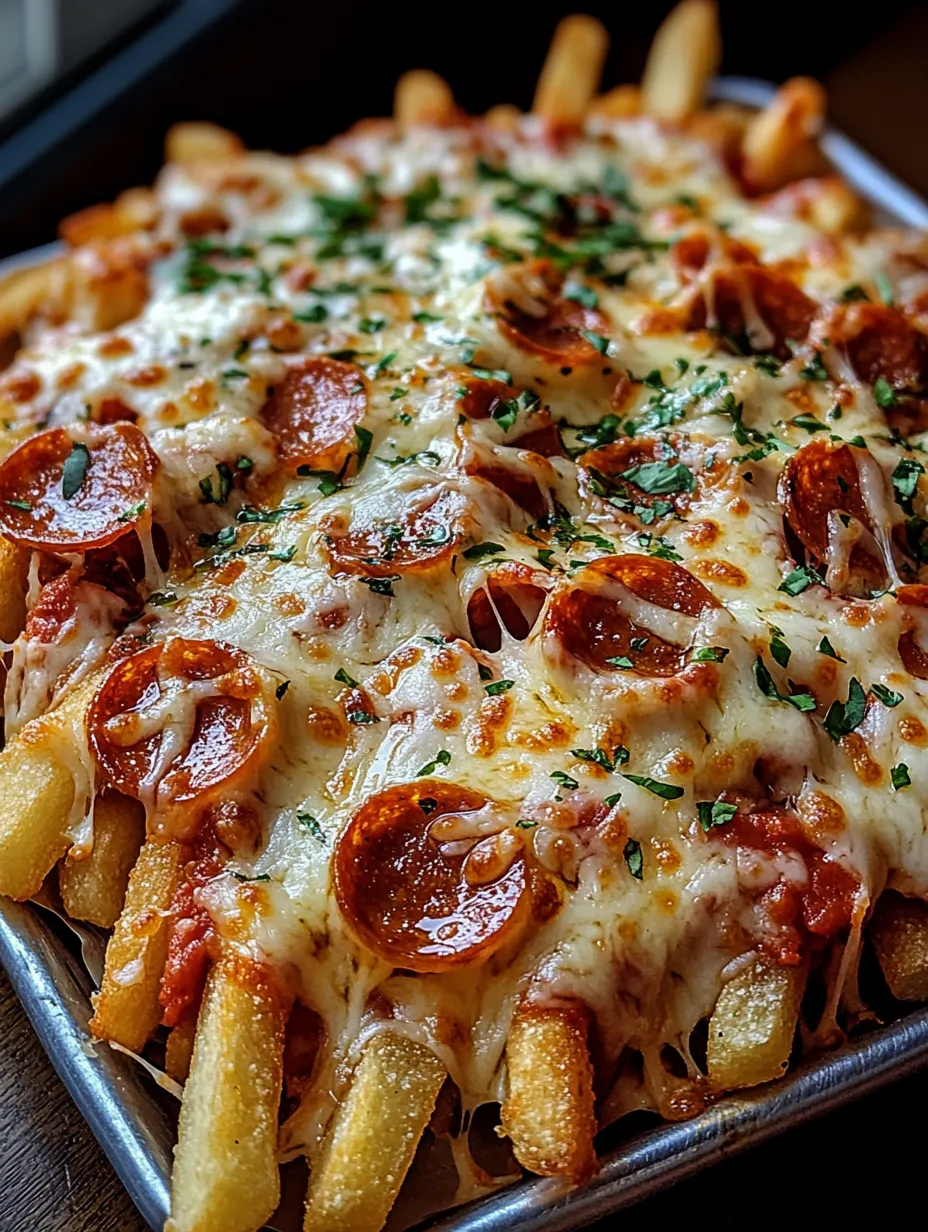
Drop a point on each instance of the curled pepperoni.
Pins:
(753, 303)
(429, 879)
(180, 723)
(880, 342)
(534, 316)
(819, 489)
(820, 896)
(586, 615)
(69, 490)
(518, 482)
(425, 537)
(513, 597)
(314, 411)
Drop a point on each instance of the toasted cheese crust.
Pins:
(606, 515)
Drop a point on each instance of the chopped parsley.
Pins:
(710, 654)
(564, 780)
(801, 701)
(634, 858)
(900, 776)
(381, 585)
(498, 686)
(843, 717)
(825, 647)
(714, 813)
(442, 758)
(599, 757)
(800, 579)
(666, 791)
(308, 822)
(74, 471)
(480, 550)
(884, 393)
(889, 697)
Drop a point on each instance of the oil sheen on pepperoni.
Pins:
(224, 733)
(818, 479)
(412, 900)
(586, 616)
(116, 477)
(314, 410)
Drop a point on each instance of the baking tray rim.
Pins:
(136, 1134)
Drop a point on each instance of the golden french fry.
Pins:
(779, 144)
(94, 889)
(373, 1136)
(899, 932)
(179, 1050)
(127, 1009)
(684, 56)
(422, 97)
(12, 591)
(618, 103)
(134, 209)
(225, 1167)
(722, 127)
(503, 116)
(752, 1026)
(37, 788)
(108, 285)
(549, 1112)
(199, 141)
(26, 293)
(572, 70)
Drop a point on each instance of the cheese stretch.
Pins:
(412, 609)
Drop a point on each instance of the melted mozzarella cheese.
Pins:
(403, 295)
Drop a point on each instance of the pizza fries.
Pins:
(465, 624)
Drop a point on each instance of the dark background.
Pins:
(288, 73)
(291, 73)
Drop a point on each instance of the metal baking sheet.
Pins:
(134, 1122)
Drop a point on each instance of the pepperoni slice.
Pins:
(67, 490)
(880, 342)
(694, 250)
(587, 619)
(819, 479)
(481, 397)
(424, 880)
(914, 658)
(314, 411)
(192, 939)
(513, 597)
(179, 723)
(752, 302)
(551, 330)
(604, 473)
(425, 537)
(521, 486)
(543, 438)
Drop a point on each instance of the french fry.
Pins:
(503, 116)
(899, 932)
(133, 209)
(422, 97)
(572, 70)
(199, 141)
(225, 1166)
(94, 889)
(127, 1009)
(179, 1050)
(549, 1112)
(684, 56)
(373, 1136)
(618, 103)
(12, 592)
(26, 293)
(779, 144)
(37, 789)
(752, 1026)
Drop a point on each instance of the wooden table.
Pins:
(54, 1177)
